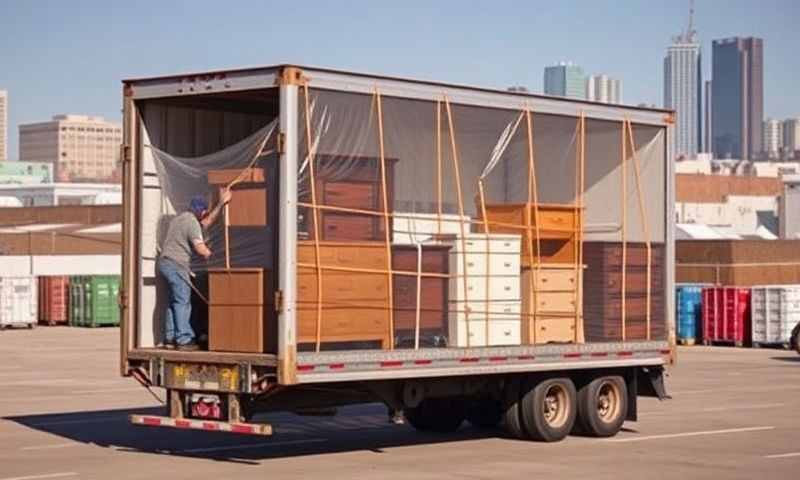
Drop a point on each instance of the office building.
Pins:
(707, 118)
(683, 82)
(81, 148)
(737, 105)
(3, 125)
(791, 138)
(604, 89)
(565, 80)
(773, 138)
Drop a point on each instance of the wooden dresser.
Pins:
(433, 291)
(241, 313)
(348, 182)
(550, 296)
(355, 305)
(248, 207)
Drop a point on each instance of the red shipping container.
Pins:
(53, 300)
(726, 315)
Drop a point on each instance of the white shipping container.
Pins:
(775, 310)
(18, 301)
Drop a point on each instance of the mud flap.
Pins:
(651, 383)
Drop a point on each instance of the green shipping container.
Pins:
(93, 301)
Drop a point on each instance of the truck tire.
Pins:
(602, 406)
(795, 341)
(440, 415)
(548, 408)
(484, 413)
(511, 417)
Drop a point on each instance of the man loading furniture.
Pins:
(185, 236)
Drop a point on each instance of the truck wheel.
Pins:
(485, 413)
(441, 415)
(511, 416)
(548, 408)
(602, 406)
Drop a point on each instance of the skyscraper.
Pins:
(707, 118)
(3, 125)
(791, 137)
(773, 138)
(602, 88)
(565, 80)
(683, 81)
(737, 105)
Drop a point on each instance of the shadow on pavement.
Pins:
(788, 359)
(354, 429)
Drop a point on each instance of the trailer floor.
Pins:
(63, 414)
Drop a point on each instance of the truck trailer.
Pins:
(455, 253)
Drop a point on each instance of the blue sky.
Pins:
(69, 56)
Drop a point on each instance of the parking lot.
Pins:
(63, 411)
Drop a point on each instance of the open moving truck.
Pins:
(452, 252)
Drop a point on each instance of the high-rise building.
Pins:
(565, 80)
(602, 88)
(81, 148)
(683, 82)
(707, 118)
(791, 137)
(3, 125)
(773, 138)
(738, 97)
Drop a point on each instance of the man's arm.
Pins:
(202, 249)
(224, 197)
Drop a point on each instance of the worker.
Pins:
(184, 237)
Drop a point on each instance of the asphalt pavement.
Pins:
(735, 413)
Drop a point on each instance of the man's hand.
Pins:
(225, 196)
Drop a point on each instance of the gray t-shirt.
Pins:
(183, 231)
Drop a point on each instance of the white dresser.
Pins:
(485, 301)
(409, 227)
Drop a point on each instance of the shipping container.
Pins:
(94, 300)
(689, 311)
(54, 300)
(775, 311)
(726, 316)
(483, 200)
(18, 302)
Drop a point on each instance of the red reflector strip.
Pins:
(210, 426)
(183, 424)
(624, 354)
(153, 422)
(526, 357)
(572, 355)
(392, 363)
(238, 428)
(469, 360)
(666, 352)
(599, 354)
(498, 359)
(336, 366)
(305, 368)
(422, 362)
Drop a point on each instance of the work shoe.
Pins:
(188, 347)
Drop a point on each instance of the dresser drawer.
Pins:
(499, 288)
(485, 264)
(555, 302)
(494, 243)
(507, 332)
(555, 329)
(550, 280)
(496, 310)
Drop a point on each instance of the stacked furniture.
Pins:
(420, 300)
(602, 284)
(551, 277)
(355, 292)
(484, 289)
(412, 227)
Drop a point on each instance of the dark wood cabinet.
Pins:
(351, 183)
(433, 291)
(602, 286)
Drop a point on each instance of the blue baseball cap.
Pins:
(198, 205)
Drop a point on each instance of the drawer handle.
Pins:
(507, 310)
(507, 264)
(470, 264)
(507, 288)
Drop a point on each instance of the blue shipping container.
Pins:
(689, 302)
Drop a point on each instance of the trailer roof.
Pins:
(277, 67)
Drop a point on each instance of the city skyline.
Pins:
(683, 85)
(70, 70)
